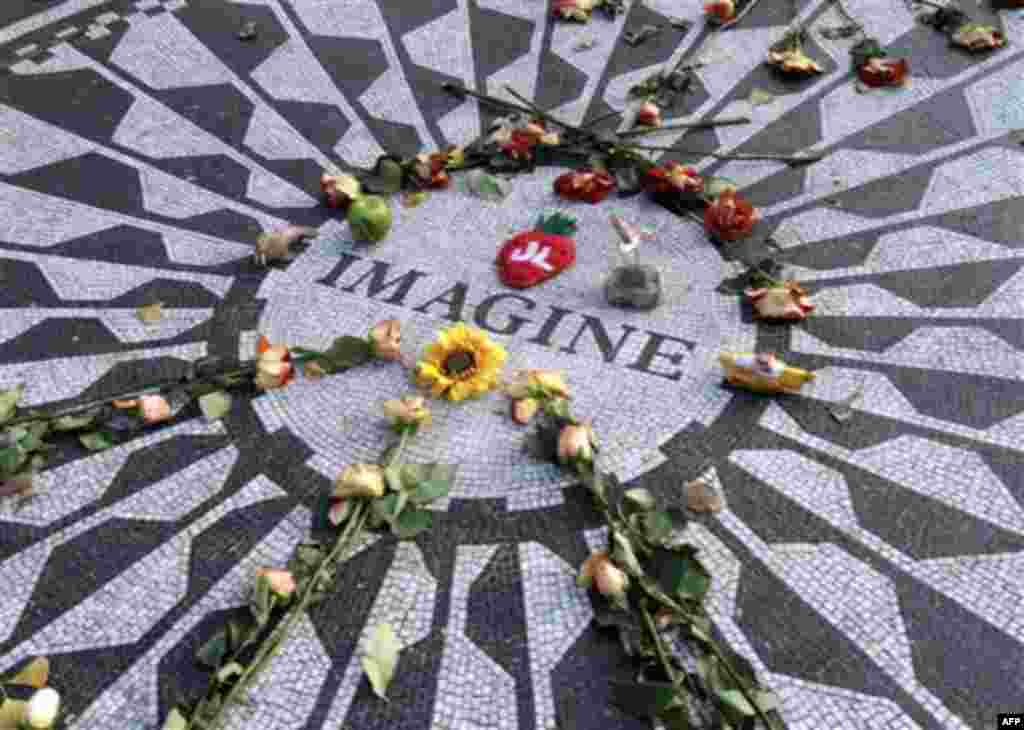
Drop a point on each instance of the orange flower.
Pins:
(730, 217)
(273, 365)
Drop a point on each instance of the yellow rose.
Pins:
(359, 480)
(575, 444)
(410, 411)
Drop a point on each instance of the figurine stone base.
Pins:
(637, 286)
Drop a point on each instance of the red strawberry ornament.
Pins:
(532, 257)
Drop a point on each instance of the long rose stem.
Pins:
(705, 124)
(806, 157)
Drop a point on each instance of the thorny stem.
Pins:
(273, 642)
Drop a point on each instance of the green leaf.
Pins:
(348, 352)
(395, 478)
(657, 526)
(96, 440)
(11, 459)
(229, 671)
(237, 634)
(411, 523)
(386, 508)
(212, 653)
(623, 554)
(734, 699)
(640, 499)
(390, 174)
(9, 402)
(715, 186)
(429, 491)
(309, 556)
(680, 573)
(381, 658)
(175, 720)
(215, 405)
(70, 423)
(261, 601)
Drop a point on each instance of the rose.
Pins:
(788, 301)
(455, 157)
(524, 409)
(585, 184)
(730, 217)
(41, 711)
(281, 582)
(573, 9)
(340, 190)
(273, 365)
(359, 480)
(430, 169)
(537, 383)
(575, 444)
(673, 177)
(408, 412)
(649, 115)
(598, 570)
(794, 61)
(386, 339)
(720, 11)
(154, 408)
(978, 37)
(519, 145)
(884, 72)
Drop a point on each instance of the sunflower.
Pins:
(462, 363)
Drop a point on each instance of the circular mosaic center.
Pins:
(640, 375)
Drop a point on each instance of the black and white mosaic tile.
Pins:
(868, 570)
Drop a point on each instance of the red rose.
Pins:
(673, 177)
(884, 72)
(730, 217)
(573, 9)
(586, 184)
(649, 115)
(720, 11)
(520, 144)
(430, 169)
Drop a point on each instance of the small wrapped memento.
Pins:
(632, 284)
(762, 373)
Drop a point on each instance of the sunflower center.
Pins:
(459, 364)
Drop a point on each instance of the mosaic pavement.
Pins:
(869, 570)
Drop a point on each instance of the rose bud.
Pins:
(884, 72)
(281, 582)
(575, 444)
(340, 190)
(578, 10)
(648, 115)
(585, 184)
(42, 709)
(537, 383)
(598, 570)
(788, 301)
(359, 480)
(408, 412)
(720, 11)
(386, 339)
(524, 409)
(154, 408)
(730, 218)
(273, 365)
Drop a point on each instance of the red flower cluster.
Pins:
(730, 217)
(720, 11)
(519, 143)
(673, 177)
(586, 184)
(430, 169)
(884, 71)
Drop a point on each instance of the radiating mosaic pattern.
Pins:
(868, 569)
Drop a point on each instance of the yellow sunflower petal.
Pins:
(461, 391)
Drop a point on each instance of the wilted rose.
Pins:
(720, 11)
(788, 301)
(154, 408)
(409, 411)
(42, 709)
(575, 443)
(884, 72)
(599, 570)
(273, 365)
(793, 61)
(649, 115)
(537, 382)
(586, 184)
(672, 177)
(978, 37)
(386, 339)
(340, 190)
(520, 145)
(431, 169)
(281, 582)
(730, 217)
(524, 409)
(359, 480)
(573, 9)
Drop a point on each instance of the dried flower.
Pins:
(788, 301)
(578, 10)
(598, 570)
(793, 61)
(339, 190)
(586, 184)
(575, 444)
(281, 582)
(386, 339)
(359, 480)
(154, 408)
(408, 412)
(519, 145)
(431, 169)
(648, 115)
(673, 177)
(537, 383)
(455, 157)
(524, 409)
(730, 217)
(978, 37)
(720, 11)
(42, 709)
(273, 365)
(884, 72)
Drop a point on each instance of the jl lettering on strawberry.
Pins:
(535, 256)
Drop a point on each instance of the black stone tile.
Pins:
(999, 222)
(226, 224)
(121, 244)
(321, 124)
(353, 63)
(220, 109)
(24, 285)
(959, 285)
(216, 25)
(559, 82)
(219, 173)
(887, 196)
(75, 179)
(938, 121)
